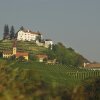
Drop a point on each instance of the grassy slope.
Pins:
(21, 46)
(57, 74)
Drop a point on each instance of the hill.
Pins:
(59, 51)
(39, 81)
(29, 47)
(59, 74)
(66, 55)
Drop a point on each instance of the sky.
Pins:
(75, 23)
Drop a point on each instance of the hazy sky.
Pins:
(76, 23)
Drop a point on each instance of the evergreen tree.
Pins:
(6, 32)
(12, 32)
(21, 28)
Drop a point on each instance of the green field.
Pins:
(39, 81)
(56, 74)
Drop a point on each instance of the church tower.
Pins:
(14, 48)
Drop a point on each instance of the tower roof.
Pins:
(14, 43)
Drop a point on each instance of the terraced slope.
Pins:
(59, 74)
(30, 47)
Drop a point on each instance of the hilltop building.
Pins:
(46, 43)
(27, 35)
(8, 54)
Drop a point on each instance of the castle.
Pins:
(28, 35)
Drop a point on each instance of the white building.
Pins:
(27, 35)
(48, 42)
(40, 43)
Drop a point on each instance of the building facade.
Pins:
(8, 54)
(41, 57)
(23, 54)
(48, 43)
(27, 35)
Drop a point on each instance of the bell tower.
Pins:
(14, 48)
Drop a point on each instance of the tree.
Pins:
(89, 90)
(6, 32)
(21, 58)
(32, 57)
(21, 28)
(12, 32)
(65, 55)
(12, 58)
(39, 36)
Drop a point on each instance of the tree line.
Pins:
(8, 33)
(66, 56)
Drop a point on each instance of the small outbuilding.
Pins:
(41, 57)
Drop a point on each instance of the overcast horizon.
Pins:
(75, 23)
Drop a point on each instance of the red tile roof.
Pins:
(7, 52)
(18, 54)
(28, 31)
(41, 56)
(92, 66)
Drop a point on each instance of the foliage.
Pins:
(21, 28)
(65, 55)
(21, 58)
(58, 74)
(32, 57)
(18, 83)
(12, 32)
(12, 58)
(89, 90)
(6, 32)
